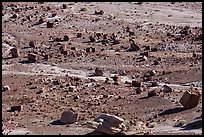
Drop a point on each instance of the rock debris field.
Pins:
(91, 68)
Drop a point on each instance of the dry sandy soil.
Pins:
(173, 29)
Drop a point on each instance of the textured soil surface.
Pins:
(82, 39)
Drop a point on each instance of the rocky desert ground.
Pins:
(128, 63)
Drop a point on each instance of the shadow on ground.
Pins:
(193, 125)
(57, 122)
(26, 62)
(6, 58)
(171, 111)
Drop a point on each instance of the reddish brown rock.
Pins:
(15, 52)
(190, 98)
(32, 57)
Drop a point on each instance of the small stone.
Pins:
(72, 89)
(145, 54)
(152, 73)
(139, 90)
(101, 12)
(54, 14)
(31, 44)
(153, 92)
(92, 39)
(56, 82)
(15, 52)
(32, 57)
(167, 89)
(76, 97)
(15, 108)
(50, 24)
(64, 6)
(66, 38)
(98, 72)
(14, 16)
(151, 125)
(68, 117)
(105, 96)
(5, 88)
(136, 83)
(79, 35)
(40, 21)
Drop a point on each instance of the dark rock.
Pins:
(136, 83)
(31, 44)
(64, 6)
(66, 38)
(101, 12)
(15, 52)
(32, 57)
(50, 24)
(98, 72)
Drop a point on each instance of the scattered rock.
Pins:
(64, 6)
(63, 49)
(145, 54)
(92, 39)
(40, 21)
(68, 117)
(14, 16)
(156, 62)
(141, 58)
(79, 35)
(5, 88)
(66, 38)
(72, 89)
(101, 12)
(152, 73)
(56, 82)
(151, 125)
(154, 49)
(133, 46)
(15, 108)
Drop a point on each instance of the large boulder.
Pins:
(190, 98)
(109, 124)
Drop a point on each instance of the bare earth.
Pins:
(155, 24)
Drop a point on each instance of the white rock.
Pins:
(4, 88)
(109, 124)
